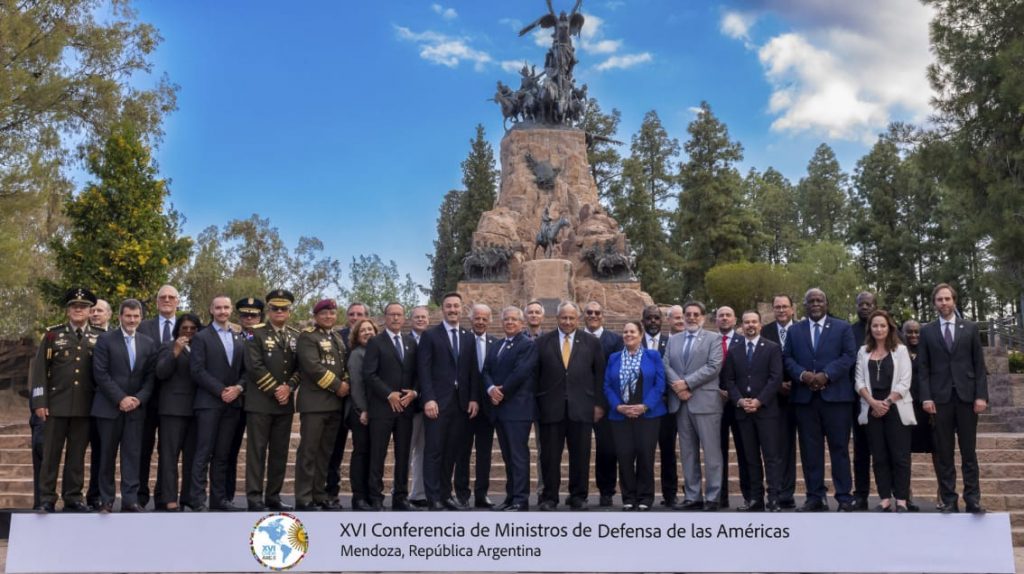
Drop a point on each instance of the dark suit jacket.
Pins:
(834, 356)
(151, 328)
(174, 383)
(737, 338)
(210, 369)
(759, 379)
(662, 342)
(385, 372)
(437, 369)
(941, 370)
(582, 384)
(771, 332)
(113, 376)
(612, 343)
(484, 400)
(514, 371)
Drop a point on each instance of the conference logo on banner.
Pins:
(279, 541)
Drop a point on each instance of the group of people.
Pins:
(437, 396)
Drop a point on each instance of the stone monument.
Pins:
(548, 237)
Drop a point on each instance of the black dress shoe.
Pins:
(723, 502)
(197, 507)
(361, 505)
(578, 503)
(517, 508)
(279, 506)
(848, 506)
(225, 506)
(911, 507)
(773, 506)
(143, 499)
(104, 508)
(404, 506)
(976, 509)
(135, 507)
(788, 503)
(501, 507)
(455, 504)
(311, 507)
(751, 506)
(668, 502)
(94, 505)
(711, 506)
(483, 502)
(435, 506)
(813, 505)
(547, 506)
(881, 508)
(947, 508)
(689, 505)
(860, 504)
(331, 504)
(418, 503)
(605, 501)
(256, 507)
(78, 506)
(46, 508)
(900, 508)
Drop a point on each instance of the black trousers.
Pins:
(862, 453)
(635, 440)
(215, 429)
(334, 461)
(359, 459)
(36, 424)
(668, 444)
(956, 421)
(514, 440)
(729, 424)
(122, 433)
(231, 475)
(445, 437)
(554, 437)
(266, 455)
(149, 431)
(92, 496)
(483, 442)
(59, 433)
(890, 450)
(317, 435)
(177, 441)
(787, 449)
(382, 431)
(761, 448)
(605, 460)
(819, 421)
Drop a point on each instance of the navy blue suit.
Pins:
(514, 371)
(115, 380)
(825, 413)
(450, 379)
(729, 423)
(481, 440)
(605, 461)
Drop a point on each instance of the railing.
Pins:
(1006, 333)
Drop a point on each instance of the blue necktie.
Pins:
(817, 334)
(398, 346)
(686, 349)
(782, 337)
(455, 343)
(166, 336)
(750, 350)
(131, 351)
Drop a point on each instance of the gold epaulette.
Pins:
(290, 328)
(98, 328)
(258, 326)
(326, 380)
(309, 329)
(57, 327)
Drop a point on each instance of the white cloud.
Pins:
(514, 23)
(512, 66)
(624, 61)
(445, 50)
(843, 69)
(446, 13)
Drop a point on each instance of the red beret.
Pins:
(324, 304)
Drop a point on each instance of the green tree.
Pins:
(830, 267)
(121, 240)
(712, 223)
(376, 284)
(602, 154)
(979, 86)
(821, 198)
(480, 179)
(772, 200)
(444, 271)
(744, 285)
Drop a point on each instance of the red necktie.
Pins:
(725, 344)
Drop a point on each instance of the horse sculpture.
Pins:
(547, 237)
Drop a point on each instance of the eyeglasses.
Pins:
(593, 313)
(249, 315)
(275, 308)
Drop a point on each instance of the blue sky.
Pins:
(348, 120)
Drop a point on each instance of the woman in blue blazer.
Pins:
(634, 383)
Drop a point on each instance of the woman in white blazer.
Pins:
(883, 376)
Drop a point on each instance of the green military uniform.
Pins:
(62, 382)
(321, 356)
(270, 362)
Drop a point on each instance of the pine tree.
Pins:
(772, 198)
(821, 198)
(480, 179)
(604, 159)
(443, 275)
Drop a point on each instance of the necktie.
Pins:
(398, 347)
(782, 337)
(650, 342)
(481, 352)
(131, 351)
(725, 344)
(565, 350)
(166, 336)
(506, 344)
(949, 338)
(750, 350)
(817, 334)
(455, 343)
(78, 332)
(686, 349)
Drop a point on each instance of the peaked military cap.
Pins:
(280, 298)
(249, 305)
(79, 295)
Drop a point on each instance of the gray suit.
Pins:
(699, 418)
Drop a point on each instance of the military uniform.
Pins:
(270, 362)
(62, 382)
(321, 356)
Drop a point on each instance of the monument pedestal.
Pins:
(548, 281)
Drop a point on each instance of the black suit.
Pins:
(566, 397)
(116, 379)
(152, 329)
(215, 420)
(449, 377)
(758, 378)
(729, 423)
(953, 379)
(338, 450)
(861, 446)
(668, 439)
(514, 370)
(481, 429)
(787, 424)
(605, 467)
(386, 371)
(176, 393)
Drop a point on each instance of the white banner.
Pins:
(492, 541)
